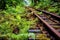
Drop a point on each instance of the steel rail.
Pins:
(51, 30)
(48, 13)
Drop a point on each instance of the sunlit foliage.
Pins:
(14, 18)
(49, 5)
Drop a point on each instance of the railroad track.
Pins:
(56, 17)
(50, 24)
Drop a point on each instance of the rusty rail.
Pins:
(49, 28)
(48, 13)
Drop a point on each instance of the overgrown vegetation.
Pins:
(49, 5)
(15, 20)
